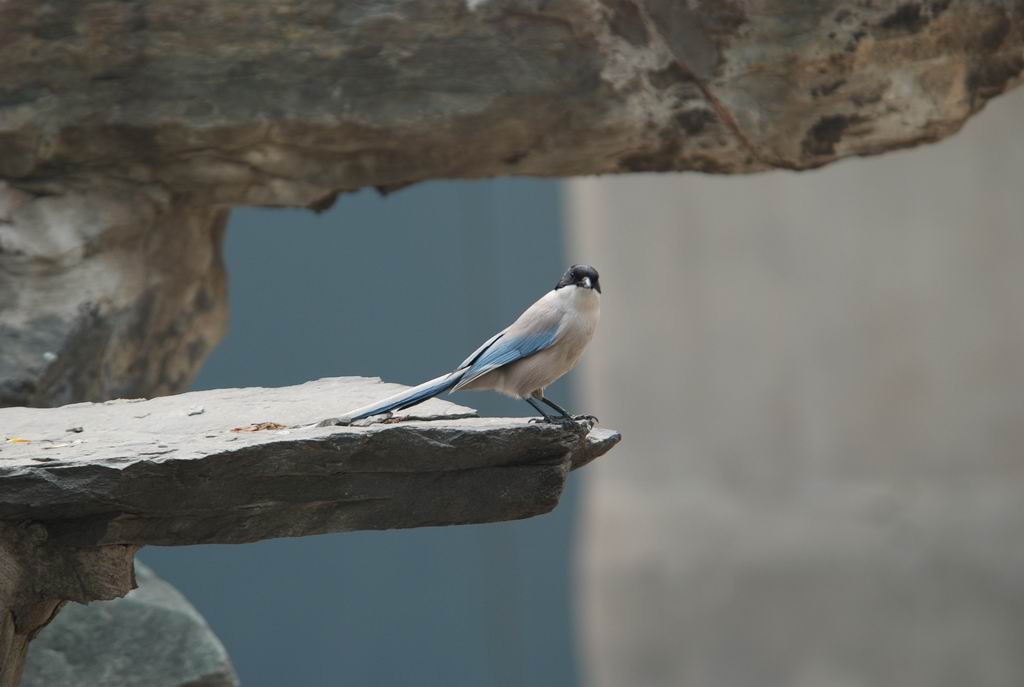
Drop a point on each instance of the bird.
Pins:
(524, 358)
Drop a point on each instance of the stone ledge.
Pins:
(200, 467)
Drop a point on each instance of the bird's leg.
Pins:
(552, 404)
(544, 416)
(565, 413)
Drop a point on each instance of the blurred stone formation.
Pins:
(152, 637)
(819, 379)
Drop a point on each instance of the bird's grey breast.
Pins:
(581, 311)
(575, 312)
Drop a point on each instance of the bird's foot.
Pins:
(556, 420)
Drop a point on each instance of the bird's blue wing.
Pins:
(483, 347)
(505, 348)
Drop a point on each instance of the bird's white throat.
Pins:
(586, 301)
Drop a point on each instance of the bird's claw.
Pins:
(590, 419)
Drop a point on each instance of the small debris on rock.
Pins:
(196, 410)
(76, 430)
(76, 442)
(334, 422)
(259, 427)
(18, 440)
(49, 356)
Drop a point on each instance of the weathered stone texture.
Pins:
(285, 103)
(107, 293)
(37, 575)
(152, 637)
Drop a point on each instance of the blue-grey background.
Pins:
(401, 287)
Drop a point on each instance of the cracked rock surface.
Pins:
(153, 637)
(240, 465)
(286, 103)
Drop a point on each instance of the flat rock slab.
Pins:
(240, 465)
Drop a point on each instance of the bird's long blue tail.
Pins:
(407, 398)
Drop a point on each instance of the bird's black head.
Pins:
(583, 276)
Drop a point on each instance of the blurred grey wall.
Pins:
(820, 383)
(403, 287)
